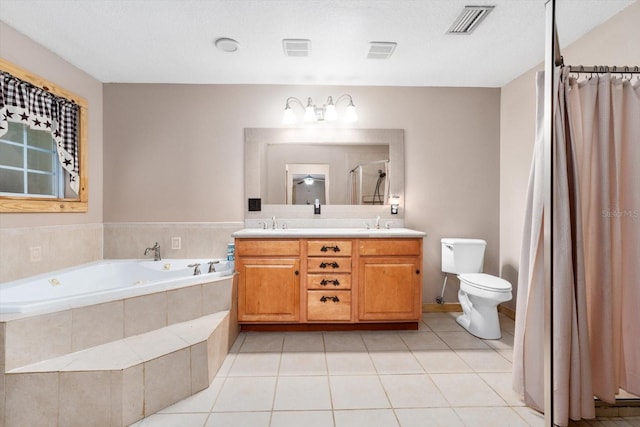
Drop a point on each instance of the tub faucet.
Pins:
(196, 268)
(212, 268)
(156, 252)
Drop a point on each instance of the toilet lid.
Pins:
(486, 281)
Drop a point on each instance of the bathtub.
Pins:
(104, 281)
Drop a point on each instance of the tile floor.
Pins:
(439, 375)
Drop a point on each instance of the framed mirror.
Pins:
(363, 166)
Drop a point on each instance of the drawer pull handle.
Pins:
(325, 282)
(333, 248)
(333, 298)
(329, 264)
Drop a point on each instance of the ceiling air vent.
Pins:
(381, 50)
(296, 47)
(469, 19)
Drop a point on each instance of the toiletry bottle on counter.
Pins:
(316, 207)
(231, 254)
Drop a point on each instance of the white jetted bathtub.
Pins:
(104, 281)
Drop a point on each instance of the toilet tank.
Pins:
(462, 255)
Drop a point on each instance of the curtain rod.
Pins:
(603, 69)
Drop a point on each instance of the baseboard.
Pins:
(441, 308)
(507, 312)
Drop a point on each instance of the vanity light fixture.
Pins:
(313, 113)
(394, 201)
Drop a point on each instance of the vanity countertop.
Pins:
(260, 233)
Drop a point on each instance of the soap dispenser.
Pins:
(316, 207)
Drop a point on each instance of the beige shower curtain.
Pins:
(596, 248)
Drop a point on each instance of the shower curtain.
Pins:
(596, 248)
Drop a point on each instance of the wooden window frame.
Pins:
(26, 204)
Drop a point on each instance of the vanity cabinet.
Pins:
(268, 280)
(346, 281)
(390, 279)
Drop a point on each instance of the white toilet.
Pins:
(479, 293)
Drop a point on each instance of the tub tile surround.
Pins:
(76, 368)
(198, 240)
(60, 246)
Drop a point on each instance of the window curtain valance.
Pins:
(22, 102)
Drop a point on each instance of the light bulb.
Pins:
(330, 113)
(288, 118)
(310, 114)
(350, 114)
(308, 180)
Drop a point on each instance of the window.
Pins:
(42, 145)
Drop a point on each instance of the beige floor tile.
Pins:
(259, 343)
(485, 360)
(255, 364)
(466, 390)
(302, 393)
(423, 341)
(504, 343)
(441, 361)
(490, 417)
(303, 364)
(357, 392)
(443, 323)
(239, 419)
(501, 383)
(246, 394)
(383, 341)
(462, 340)
(531, 416)
(174, 420)
(350, 363)
(302, 418)
(432, 417)
(396, 362)
(412, 391)
(238, 343)
(507, 354)
(369, 418)
(227, 363)
(306, 342)
(348, 341)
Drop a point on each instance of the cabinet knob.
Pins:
(417, 271)
(296, 272)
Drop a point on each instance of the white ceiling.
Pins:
(172, 41)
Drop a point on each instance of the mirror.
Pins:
(357, 166)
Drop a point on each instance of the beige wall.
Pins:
(613, 43)
(64, 239)
(174, 153)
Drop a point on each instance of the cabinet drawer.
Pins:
(329, 305)
(267, 247)
(329, 265)
(333, 248)
(395, 247)
(329, 281)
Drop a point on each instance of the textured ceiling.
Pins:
(172, 41)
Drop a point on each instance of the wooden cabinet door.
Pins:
(390, 288)
(268, 290)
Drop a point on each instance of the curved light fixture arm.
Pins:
(314, 113)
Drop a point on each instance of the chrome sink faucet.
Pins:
(377, 223)
(274, 223)
(156, 252)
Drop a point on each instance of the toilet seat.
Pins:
(486, 282)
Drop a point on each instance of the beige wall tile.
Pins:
(115, 401)
(216, 296)
(199, 367)
(184, 304)
(218, 347)
(132, 394)
(198, 240)
(32, 399)
(145, 313)
(85, 396)
(167, 380)
(97, 324)
(37, 338)
(61, 247)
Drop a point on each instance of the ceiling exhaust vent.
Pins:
(469, 19)
(296, 47)
(381, 50)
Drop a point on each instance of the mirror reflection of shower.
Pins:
(369, 183)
